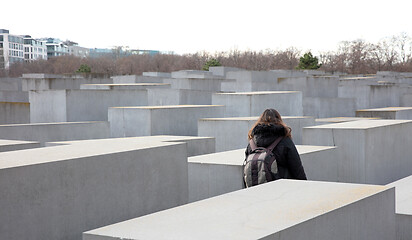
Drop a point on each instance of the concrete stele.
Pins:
(160, 120)
(59, 192)
(248, 104)
(369, 151)
(13, 145)
(283, 209)
(195, 145)
(218, 173)
(124, 86)
(387, 113)
(403, 193)
(59, 131)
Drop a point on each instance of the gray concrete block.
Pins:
(13, 145)
(329, 107)
(203, 84)
(231, 133)
(369, 151)
(159, 120)
(10, 84)
(218, 173)
(14, 96)
(60, 192)
(248, 104)
(41, 82)
(321, 121)
(195, 145)
(281, 210)
(403, 197)
(406, 100)
(161, 97)
(47, 132)
(386, 113)
(157, 74)
(14, 112)
(124, 86)
(193, 74)
(80, 105)
(137, 79)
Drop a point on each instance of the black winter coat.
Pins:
(287, 157)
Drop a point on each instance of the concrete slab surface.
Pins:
(280, 210)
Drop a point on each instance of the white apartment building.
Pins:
(11, 49)
(34, 49)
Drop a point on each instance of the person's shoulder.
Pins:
(287, 141)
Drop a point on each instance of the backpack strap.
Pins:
(252, 144)
(273, 145)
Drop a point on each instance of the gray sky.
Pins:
(187, 26)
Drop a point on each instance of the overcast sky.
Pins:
(188, 26)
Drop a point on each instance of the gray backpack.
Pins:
(260, 165)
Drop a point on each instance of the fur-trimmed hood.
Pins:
(265, 134)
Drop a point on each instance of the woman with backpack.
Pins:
(271, 135)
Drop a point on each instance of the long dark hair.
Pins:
(271, 116)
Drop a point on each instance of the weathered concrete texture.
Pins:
(47, 132)
(247, 81)
(193, 74)
(161, 97)
(281, 210)
(124, 86)
(248, 104)
(218, 173)
(387, 113)
(403, 197)
(231, 133)
(222, 71)
(40, 82)
(311, 86)
(329, 107)
(369, 151)
(406, 100)
(14, 96)
(137, 79)
(157, 74)
(14, 112)
(159, 120)
(203, 84)
(320, 121)
(80, 105)
(60, 192)
(10, 84)
(195, 145)
(13, 145)
(372, 95)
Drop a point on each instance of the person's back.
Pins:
(265, 131)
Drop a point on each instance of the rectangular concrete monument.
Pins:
(59, 192)
(281, 210)
(368, 151)
(159, 120)
(46, 132)
(80, 105)
(204, 84)
(195, 145)
(124, 86)
(13, 145)
(222, 172)
(248, 104)
(231, 133)
(387, 113)
(403, 197)
(14, 112)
